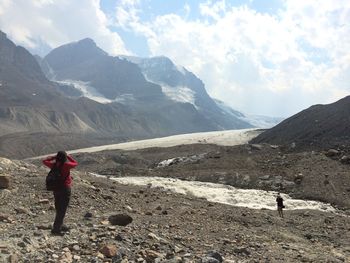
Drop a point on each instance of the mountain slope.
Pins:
(319, 127)
(148, 85)
(112, 77)
(178, 84)
(37, 116)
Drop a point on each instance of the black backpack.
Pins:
(54, 179)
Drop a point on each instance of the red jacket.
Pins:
(65, 170)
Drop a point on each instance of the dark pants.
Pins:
(62, 198)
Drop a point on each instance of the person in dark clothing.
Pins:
(280, 205)
(62, 195)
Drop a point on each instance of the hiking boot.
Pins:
(65, 228)
(55, 232)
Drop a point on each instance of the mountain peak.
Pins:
(2, 35)
(74, 53)
(18, 59)
(86, 42)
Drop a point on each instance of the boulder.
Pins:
(66, 257)
(13, 258)
(241, 250)
(258, 147)
(345, 159)
(108, 251)
(4, 218)
(332, 153)
(216, 255)
(209, 260)
(151, 255)
(4, 182)
(120, 219)
(22, 210)
(6, 163)
(88, 215)
(44, 201)
(298, 178)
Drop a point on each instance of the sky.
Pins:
(266, 57)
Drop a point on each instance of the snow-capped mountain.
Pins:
(180, 85)
(145, 85)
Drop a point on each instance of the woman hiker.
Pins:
(62, 194)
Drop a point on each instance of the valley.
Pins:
(168, 226)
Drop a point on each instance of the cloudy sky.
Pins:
(270, 57)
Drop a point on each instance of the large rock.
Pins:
(13, 258)
(109, 251)
(4, 182)
(209, 260)
(216, 255)
(67, 257)
(151, 256)
(6, 163)
(258, 147)
(120, 219)
(345, 159)
(332, 153)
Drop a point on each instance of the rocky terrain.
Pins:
(169, 227)
(315, 175)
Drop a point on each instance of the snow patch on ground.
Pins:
(87, 90)
(180, 94)
(125, 98)
(90, 92)
(176, 160)
(219, 193)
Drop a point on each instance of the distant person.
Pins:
(62, 194)
(280, 205)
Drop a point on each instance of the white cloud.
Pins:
(260, 63)
(50, 23)
(212, 10)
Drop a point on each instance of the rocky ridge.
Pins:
(319, 127)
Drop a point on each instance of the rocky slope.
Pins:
(165, 227)
(306, 175)
(318, 127)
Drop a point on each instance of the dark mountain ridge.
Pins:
(318, 127)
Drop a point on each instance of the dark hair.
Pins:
(61, 157)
